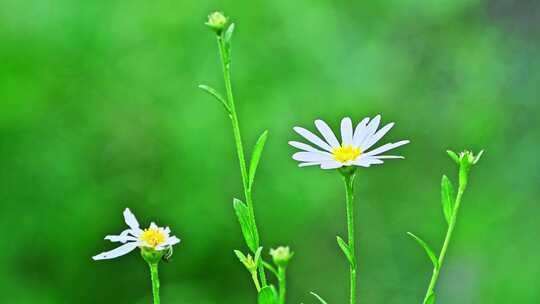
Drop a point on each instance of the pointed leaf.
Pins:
(268, 295)
(453, 156)
(477, 158)
(216, 95)
(428, 250)
(318, 298)
(229, 33)
(240, 256)
(257, 257)
(271, 268)
(246, 224)
(447, 198)
(430, 299)
(256, 156)
(345, 249)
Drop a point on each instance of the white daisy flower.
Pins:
(353, 149)
(155, 237)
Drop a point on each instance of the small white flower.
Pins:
(353, 149)
(155, 237)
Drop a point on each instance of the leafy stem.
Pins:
(450, 204)
(223, 40)
(349, 249)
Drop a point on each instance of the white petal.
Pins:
(388, 157)
(360, 132)
(153, 225)
(309, 164)
(131, 220)
(302, 146)
(367, 161)
(312, 156)
(376, 137)
(332, 164)
(119, 251)
(173, 240)
(312, 138)
(346, 131)
(167, 230)
(327, 133)
(123, 237)
(387, 147)
(371, 128)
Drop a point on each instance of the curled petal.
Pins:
(119, 251)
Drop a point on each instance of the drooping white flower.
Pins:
(156, 238)
(353, 150)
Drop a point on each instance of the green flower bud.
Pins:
(152, 256)
(466, 160)
(217, 21)
(281, 256)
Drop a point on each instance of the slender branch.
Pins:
(155, 281)
(225, 62)
(448, 237)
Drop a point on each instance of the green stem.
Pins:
(155, 281)
(348, 178)
(226, 67)
(282, 284)
(255, 278)
(448, 237)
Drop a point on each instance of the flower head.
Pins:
(217, 21)
(353, 150)
(281, 255)
(154, 239)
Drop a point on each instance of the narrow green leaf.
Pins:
(447, 198)
(216, 95)
(246, 224)
(229, 33)
(453, 156)
(240, 256)
(477, 158)
(256, 156)
(271, 268)
(268, 295)
(318, 298)
(428, 250)
(257, 256)
(430, 299)
(345, 248)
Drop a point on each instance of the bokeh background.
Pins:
(100, 111)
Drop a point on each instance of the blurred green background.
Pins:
(100, 111)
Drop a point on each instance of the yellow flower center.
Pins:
(346, 153)
(153, 237)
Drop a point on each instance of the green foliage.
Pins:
(345, 248)
(431, 255)
(318, 298)
(447, 197)
(217, 96)
(256, 156)
(246, 224)
(268, 295)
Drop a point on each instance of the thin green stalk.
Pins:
(255, 278)
(155, 281)
(448, 237)
(349, 190)
(282, 284)
(225, 62)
